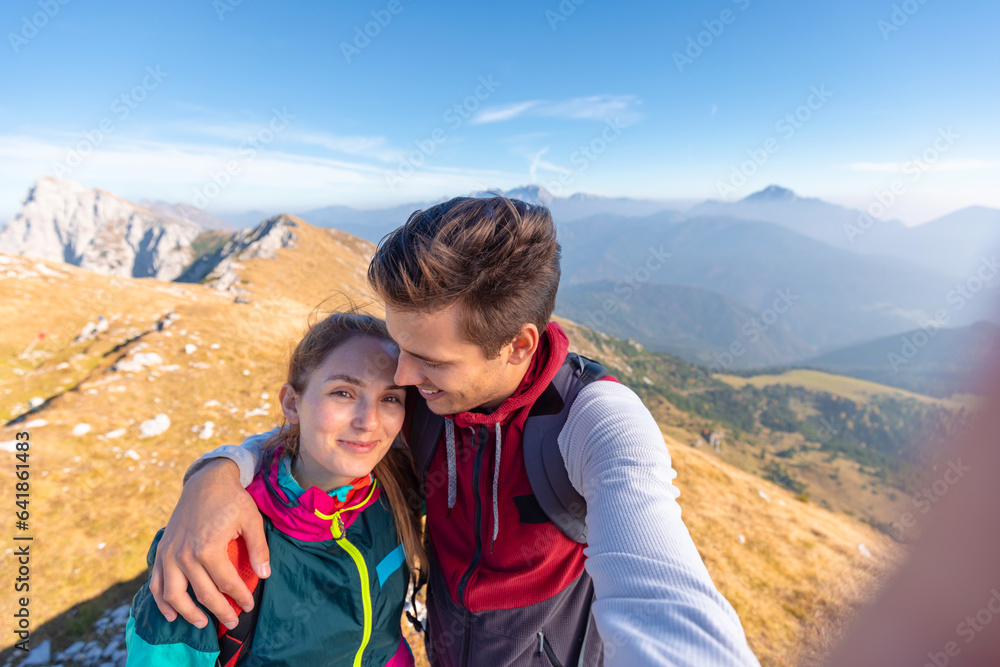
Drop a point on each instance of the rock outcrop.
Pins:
(98, 231)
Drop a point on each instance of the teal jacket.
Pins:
(335, 595)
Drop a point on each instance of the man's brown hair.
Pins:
(497, 258)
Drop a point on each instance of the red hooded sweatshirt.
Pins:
(520, 557)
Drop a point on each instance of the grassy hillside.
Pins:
(936, 361)
(99, 494)
(691, 322)
(852, 388)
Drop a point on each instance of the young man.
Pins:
(469, 287)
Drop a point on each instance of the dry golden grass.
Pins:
(800, 565)
(848, 387)
(94, 510)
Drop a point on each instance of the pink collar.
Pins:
(301, 519)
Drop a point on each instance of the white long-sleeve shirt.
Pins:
(655, 602)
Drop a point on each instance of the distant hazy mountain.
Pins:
(98, 231)
(952, 245)
(696, 324)
(811, 217)
(937, 362)
(582, 205)
(242, 220)
(842, 297)
(373, 224)
(185, 213)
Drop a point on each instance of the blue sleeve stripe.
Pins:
(163, 655)
(390, 564)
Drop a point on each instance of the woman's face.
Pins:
(348, 415)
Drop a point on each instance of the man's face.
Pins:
(451, 372)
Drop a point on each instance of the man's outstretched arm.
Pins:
(214, 509)
(655, 601)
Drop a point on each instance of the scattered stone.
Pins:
(37, 401)
(190, 349)
(262, 411)
(132, 454)
(39, 655)
(212, 403)
(741, 539)
(81, 429)
(8, 446)
(207, 431)
(763, 495)
(246, 372)
(102, 545)
(155, 426)
(863, 550)
(117, 433)
(139, 362)
(215, 346)
(36, 423)
(63, 366)
(265, 396)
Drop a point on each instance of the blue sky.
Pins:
(287, 107)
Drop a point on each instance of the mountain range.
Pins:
(770, 280)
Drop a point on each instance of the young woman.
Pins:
(343, 535)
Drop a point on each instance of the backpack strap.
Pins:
(542, 458)
(235, 644)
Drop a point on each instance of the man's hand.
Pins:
(213, 510)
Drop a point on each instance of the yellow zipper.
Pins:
(337, 530)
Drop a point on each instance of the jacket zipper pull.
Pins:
(541, 642)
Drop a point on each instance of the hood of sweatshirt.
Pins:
(315, 515)
(542, 368)
(552, 348)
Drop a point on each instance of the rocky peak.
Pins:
(218, 268)
(96, 230)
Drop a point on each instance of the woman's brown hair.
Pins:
(394, 471)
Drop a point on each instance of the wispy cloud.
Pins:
(275, 178)
(503, 112)
(373, 147)
(594, 107)
(940, 165)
